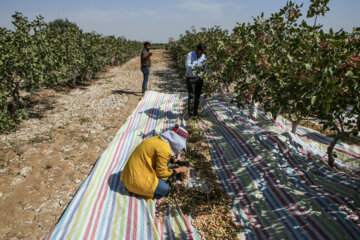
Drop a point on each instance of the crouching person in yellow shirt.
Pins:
(146, 171)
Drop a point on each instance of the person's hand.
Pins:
(150, 54)
(180, 170)
(177, 158)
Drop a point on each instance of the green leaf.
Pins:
(290, 58)
(331, 73)
(327, 108)
(313, 99)
(349, 74)
(308, 66)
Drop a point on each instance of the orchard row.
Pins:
(289, 66)
(35, 55)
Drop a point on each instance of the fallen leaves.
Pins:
(209, 206)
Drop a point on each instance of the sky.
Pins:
(158, 20)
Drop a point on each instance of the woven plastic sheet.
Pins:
(102, 208)
(282, 188)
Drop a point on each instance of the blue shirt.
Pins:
(191, 61)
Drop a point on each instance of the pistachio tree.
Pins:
(289, 66)
(35, 55)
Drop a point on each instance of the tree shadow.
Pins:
(36, 108)
(152, 133)
(160, 114)
(168, 117)
(167, 56)
(126, 92)
(270, 174)
(103, 77)
(169, 81)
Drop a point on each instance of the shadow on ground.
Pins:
(126, 92)
(116, 185)
(37, 105)
(169, 81)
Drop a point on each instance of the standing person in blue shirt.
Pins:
(194, 81)
(145, 65)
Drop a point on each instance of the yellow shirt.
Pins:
(146, 164)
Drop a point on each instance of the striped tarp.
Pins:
(102, 208)
(280, 184)
(348, 155)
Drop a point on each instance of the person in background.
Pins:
(194, 81)
(145, 65)
(146, 171)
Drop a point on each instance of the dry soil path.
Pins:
(45, 161)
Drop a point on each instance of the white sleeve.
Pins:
(202, 61)
(188, 65)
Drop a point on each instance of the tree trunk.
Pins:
(331, 148)
(16, 94)
(74, 82)
(295, 124)
(74, 79)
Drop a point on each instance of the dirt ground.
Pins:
(45, 161)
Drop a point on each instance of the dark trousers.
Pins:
(146, 72)
(194, 86)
